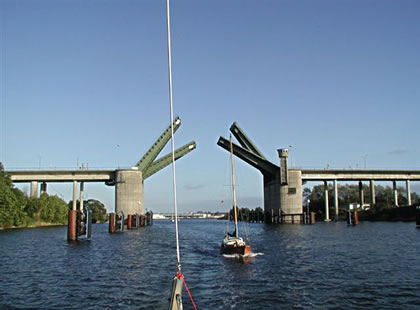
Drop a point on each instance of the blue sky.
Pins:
(86, 82)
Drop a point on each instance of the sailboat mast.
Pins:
(168, 23)
(234, 188)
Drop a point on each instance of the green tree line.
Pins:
(18, 210)
(349, 193)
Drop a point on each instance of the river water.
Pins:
(322, 266)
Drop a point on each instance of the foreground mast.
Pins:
(178, 281)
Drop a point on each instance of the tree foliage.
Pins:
(349, 193)
(11, 204)
(16, 209)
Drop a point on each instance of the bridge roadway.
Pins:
(20, 176)
(359, 175)
(107, 175)
(323, 175)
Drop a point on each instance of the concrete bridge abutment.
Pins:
(129, 192)
(291, 198)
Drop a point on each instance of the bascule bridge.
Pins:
(129, 183)
(282, 187)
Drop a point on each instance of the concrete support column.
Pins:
(82, 195)
(43, 188)
(372, 193)
(407, 182)
(129, 195)
(336, 199)
(361, 197)
(327, 211)
(394, 186)
(74, 206)
(34, 189)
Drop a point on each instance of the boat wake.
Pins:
(239, 256)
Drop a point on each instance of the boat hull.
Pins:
(240, 250)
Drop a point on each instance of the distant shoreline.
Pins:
(35, 225)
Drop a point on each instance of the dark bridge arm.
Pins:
(266, 167)
(244, 140)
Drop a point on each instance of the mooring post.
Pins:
(71, 228)
(111, 223)
(313, 220)
(72, 220)
(355, 218)
(129, 221)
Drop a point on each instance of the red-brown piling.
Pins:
(355, 218)
(111, 223)
(352, 218)
(129, 221)
(71, 228)
(312, 218)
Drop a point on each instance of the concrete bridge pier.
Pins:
(129, 191)
(407, 183)
(372, 192)
(327, 207)
(43, 188)
(394, 186)
(34, 189)
(74, 206)
(361, 194)
(82, 196)
(336, 199)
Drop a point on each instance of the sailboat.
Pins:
(232, 243)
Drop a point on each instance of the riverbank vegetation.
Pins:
(349, 194)
(19, 210)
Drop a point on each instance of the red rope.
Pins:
(181, 276)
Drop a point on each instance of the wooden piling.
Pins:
(355, 218)
(129, 221)
(71, 228)
(312, 218)
(111, 223)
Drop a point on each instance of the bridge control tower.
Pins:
(129, 183)
(282, 187)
